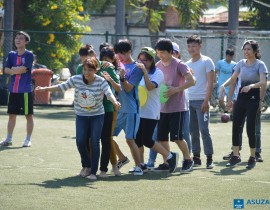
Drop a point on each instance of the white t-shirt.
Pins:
(151, 109)
(200, 68)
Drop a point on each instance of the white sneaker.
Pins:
(6, 142)
(27, 143)
(92, 177)
(138, 171)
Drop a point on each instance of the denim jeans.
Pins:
(89, 127)
(186, 135)
(199, 123)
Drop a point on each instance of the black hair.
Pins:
(123, 46)
(255, 47)
(150, 58)
(164, 44)
(109, 53)
(87, 50)
(26, 35)
(104, 44)
(195, 38)
(230, 52)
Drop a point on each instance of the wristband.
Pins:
(122, 79)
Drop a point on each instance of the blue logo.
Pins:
(238, 203)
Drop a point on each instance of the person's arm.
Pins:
(210, 79)
(190, 81)
(135, 78)
(51, 88)
(148, 83)
(229, 81)
(108, 92)
(116, 86)
(230, 96)
(259, 84)
(15, 70)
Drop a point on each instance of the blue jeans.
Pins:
(186, 135)
(89, 127)
(199, 125)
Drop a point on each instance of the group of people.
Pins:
(106, 101)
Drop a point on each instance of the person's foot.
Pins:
(187, 165)
(138, 171)
(162, 167)
(142, 166)
(81, 172)
(209, 163)
(27, 143)
(92, 177)
(121, 163)
(234, 161)
(103, 174)
(228, 157)
(115, 170)
(150, 165)
(258, 157)
(251, 163)
(86, 172)
(6, 142)
(173, 162)
(197, 161)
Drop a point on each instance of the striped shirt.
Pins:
(88, 98)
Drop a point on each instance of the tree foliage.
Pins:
(260, 13)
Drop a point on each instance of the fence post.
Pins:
(107, 36)
(222, 47)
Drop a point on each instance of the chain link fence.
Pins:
(59, 53)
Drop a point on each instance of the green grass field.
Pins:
(43, 176)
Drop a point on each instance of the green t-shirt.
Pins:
(108, 106)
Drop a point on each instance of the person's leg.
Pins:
(186, 131)
(164, 130)
(96, 125)
(106, 143)
(82, 139)
(11, 125)
(258, 133)
(29, 125)
(140, 138)
(152, 153)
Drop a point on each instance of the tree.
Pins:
(260, 12)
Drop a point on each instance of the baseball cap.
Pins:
(175, 47)
(150, 51)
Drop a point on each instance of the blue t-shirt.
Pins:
(225, 70)
(130, 100)
(20, 83)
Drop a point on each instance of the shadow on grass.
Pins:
(227, 171)
(2, 148)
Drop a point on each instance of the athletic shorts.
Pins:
(172, 123)
(20, 103)
(129, 122)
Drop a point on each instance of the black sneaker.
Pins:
(162, 167)
(144, 167)
(234, 161)
(197, 161)
(258, 157)
(209, 163)
(121, 163)
(173, 162)
(251, 163)
(228, 157)
(187, 165)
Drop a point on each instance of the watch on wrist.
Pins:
(122, 79)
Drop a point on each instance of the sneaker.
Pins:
(258, 157)
(81, 172)
(132, 170)
(103, 174)
(197, 161)
(27, 143)
(138, 171)
(209, 163)
(162, 167)
(234, 161)
(121, 163)
(143, 167)
(187, 165)
(228, 157)
(92, 177)
(150, 165)
(6, 142)
(173, 162)
(116, 171)
(251, 163)
(86, 172)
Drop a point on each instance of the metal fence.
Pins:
(214, 45)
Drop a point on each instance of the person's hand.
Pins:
(116, 106)
(38, 88)
(122, 73)
(170, 91)
(106, 64)
(205, 106)
(106, 76)
(142, 67)
(229, 105)
(245, 89)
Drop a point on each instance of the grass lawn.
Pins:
(43, 176)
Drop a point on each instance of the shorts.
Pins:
(20, 103)
(172, 123)
(145, 133)
(129, 122)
